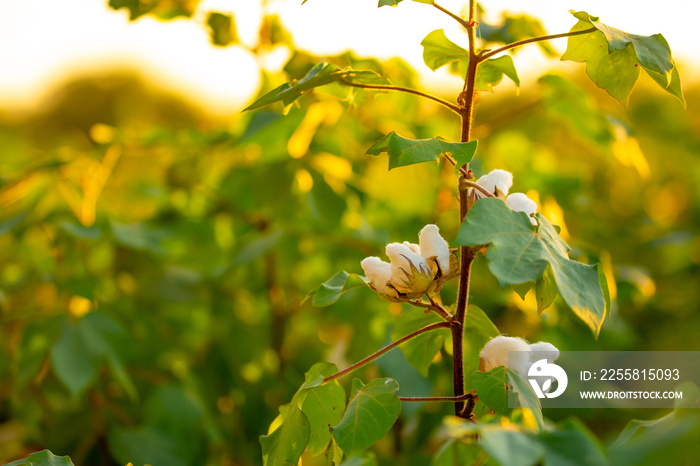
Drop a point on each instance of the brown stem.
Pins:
(434, 306)
(490, 54)
(466, 101)
(466, 396)
(452, 15)
(387, 348)
(383, 87)
(478, 187)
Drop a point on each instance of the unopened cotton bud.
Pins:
(521, 203)
(379, 273)
(413, 247)
(500, 179)
(495, 353)
(432, 244)
(410, 272)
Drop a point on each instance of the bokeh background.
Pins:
(156, 243)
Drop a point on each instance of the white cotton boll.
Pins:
(432, 244)
(379, 273)
(521, 203)
(543, 350)
(410, 272)
(495, 353)
(500, 179)
(413, 247)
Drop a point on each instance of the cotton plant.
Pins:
(522, 251)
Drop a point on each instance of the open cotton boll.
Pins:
(521, 203)
(379, 273)
(413, 247)
(410, 272)
(543, 350)
(432, 244)
(495, 353)
(500, 179)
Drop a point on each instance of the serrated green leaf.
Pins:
(43, 458)
(490, 73)
(319, 75)
(511, 447)
(491, 388)
(438, 50)
(526, 396)
(371, 412)
(323, 405)
(421, 350)
(285, 445)
(403, 151)
(546, 290)
(332, 289)
(519, 252)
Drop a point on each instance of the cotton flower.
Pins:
(378, 273)
(412, 246)
(500, 179)
(434, 245)
(521, 203)
(410, 272)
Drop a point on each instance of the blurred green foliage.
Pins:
(153, 260)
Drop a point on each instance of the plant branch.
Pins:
(490, 54)
(383, 87)
(432, 305)
(372, 357)
(478, 187)
(464, 397)
(452, 15)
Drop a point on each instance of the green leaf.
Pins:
(80, 231)
(490, 73)
(387, 3)
(522, 289)
(514, 29)
(222, 28)
(84, 346)
(43, 458)
(454, 452)
(332, 289)
(546, 290)
(319, 75)
(511, 447)
(526, 396)
(323, 406)
(616, 72)
(438, 50)
(520, 252)
(285, 445)
(477, 321)
(8, 225)
(326, 205)
(491, 388)
(371, 412)
(403, 151)
(258, 247)
(421, 350)
(613, 58)
(143, 445)
(572, 444)
(674, 87)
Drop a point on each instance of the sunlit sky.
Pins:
(44, 43)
